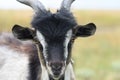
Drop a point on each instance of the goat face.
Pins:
(55, 52)
(55, 47)
(54, 34)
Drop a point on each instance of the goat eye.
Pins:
(41, 47)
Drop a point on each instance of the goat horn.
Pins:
(66, 4)
(35, 4)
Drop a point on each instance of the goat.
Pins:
(53, 34)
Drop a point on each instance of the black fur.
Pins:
(86, 30)
(54, 25)
(34, 66)
(22, 33)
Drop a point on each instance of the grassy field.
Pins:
(96, 57)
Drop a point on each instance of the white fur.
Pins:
(42, 41)
(69, 73)
(13, 65)
(44, 75)
(67, 39)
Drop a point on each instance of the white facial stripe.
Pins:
(49, 69)
(67, 39)
(69, 73)
(44, 74)
(43, 43)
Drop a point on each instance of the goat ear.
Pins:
(23, 33)
(85, 30)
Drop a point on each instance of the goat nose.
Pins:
(56, 68)
(56, 65)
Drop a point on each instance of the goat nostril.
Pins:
(56, 67)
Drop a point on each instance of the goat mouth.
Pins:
(56, 77)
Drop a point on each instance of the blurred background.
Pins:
(96, 57)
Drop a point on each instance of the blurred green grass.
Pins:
(8, 18)
(96, 57)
